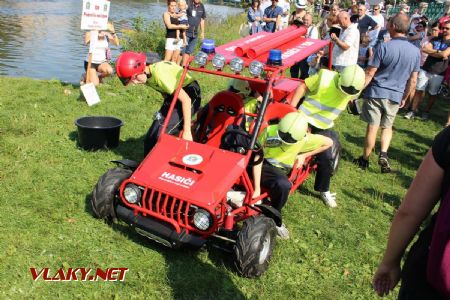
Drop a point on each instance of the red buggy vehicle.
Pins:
(181, 192)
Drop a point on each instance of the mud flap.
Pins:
(127, 163)
(270, 212)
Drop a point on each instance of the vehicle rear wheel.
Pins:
(254, 246)
(106, 190)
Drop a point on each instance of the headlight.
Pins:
(237, 65)
(256, 68)
(218, 61)
(202, 219)
(132, 193)
(201, 58)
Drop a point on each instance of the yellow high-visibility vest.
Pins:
(325, 100)
(276, 152)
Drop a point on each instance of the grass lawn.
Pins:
(46, 220)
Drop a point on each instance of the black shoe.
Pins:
(361, 162)
(384, 164)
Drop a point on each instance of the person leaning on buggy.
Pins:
(163, 76)
(327, 94)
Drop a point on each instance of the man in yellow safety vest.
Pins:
(327, 94)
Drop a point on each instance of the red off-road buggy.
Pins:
(180, 193)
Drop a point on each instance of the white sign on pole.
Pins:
(95, 14)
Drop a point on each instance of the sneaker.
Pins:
(384, 164)
(410, 115)
(425, 116)
(361, 162)
(283, 232)
(329, 198)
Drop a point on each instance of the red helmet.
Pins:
(129, 64)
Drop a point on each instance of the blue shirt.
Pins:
(395, 61)
(270, 12)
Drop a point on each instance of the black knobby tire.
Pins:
(254, 245)
(106, 190)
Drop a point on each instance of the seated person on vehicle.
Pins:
(284, 144)
(251, 98)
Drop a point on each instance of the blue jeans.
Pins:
(191, 43)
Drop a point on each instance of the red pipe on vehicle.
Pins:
(274, 42)
(260, 38)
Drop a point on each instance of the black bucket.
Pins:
(98, 132)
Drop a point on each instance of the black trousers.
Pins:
(324, 160)
(278, 184)
(300, 69)
(176, 121)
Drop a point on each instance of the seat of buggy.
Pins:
(274, 113)
(225, 108)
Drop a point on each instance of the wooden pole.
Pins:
(88, 70)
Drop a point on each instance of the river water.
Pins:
(42, 39)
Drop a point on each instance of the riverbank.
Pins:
(42, 39)
(46, 220)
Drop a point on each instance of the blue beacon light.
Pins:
(208, 46)
(274, 58)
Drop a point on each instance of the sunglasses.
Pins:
(350, 90)
(286, 137)
(445, 28)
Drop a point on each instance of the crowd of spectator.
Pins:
(356, 32)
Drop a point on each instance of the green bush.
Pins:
(144, 37)
(150, 36)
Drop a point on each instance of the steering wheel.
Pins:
(238, 148)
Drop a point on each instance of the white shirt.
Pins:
(312, 32)
(286, 7)
(349, 36)
(379, 19)
(99, 53)
(373, 34)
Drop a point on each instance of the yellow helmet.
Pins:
(293, 127)
(351, 80)
(239, 86)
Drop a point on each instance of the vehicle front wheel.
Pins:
(106, 190)
(254, 246)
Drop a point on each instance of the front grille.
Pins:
(164, 206)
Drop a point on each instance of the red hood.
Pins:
(198, 173)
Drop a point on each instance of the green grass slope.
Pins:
(46, 182)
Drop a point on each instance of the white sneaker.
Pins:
(283, 232)
(329, 198)
(410, 115)
(236, 198)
